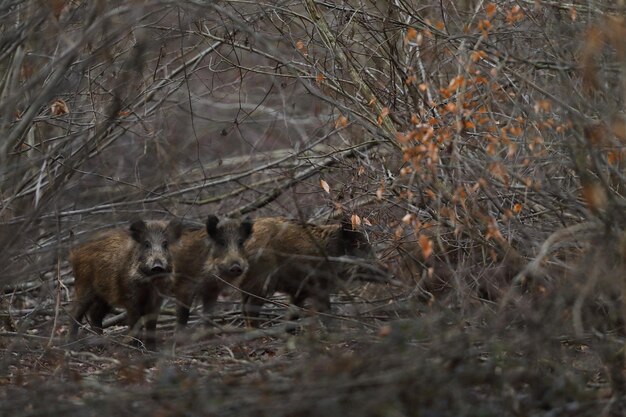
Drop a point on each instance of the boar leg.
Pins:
(254, 293)
(96, 313)
(134, 324)
(209, 298)
(149, 314)
(151, 323)
(82, 305)
(251, 309)
(320, 302)
(184, 299)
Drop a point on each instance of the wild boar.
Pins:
(206, 261)
(129, 268)
(301, 261)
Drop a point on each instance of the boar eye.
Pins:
(164, 244)
(147, 244)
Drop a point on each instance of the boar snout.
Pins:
(235, 269)
(158, 267)
(232, 268)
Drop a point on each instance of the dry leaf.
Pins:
(325, 186)
(356, 221)
(411, 34)
(384, 331)
(59, 107)
(426, 244)
(594, 195)
(342, 121)
(379, 193)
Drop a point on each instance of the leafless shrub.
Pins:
(478, 145)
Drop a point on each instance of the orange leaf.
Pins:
(342, 121)
(572, 13)
(478, 55)
(594, 195)
(356, 221)
(426, 245)
(493, 231)
(542, 106)
(411, 34)
(515, 130)
(490, 9)
(59, 107)
(402, 138)
(484, 26)
(456, 83)
(517, 208)
(512, 148)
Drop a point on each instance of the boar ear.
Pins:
(246, 227)
(174, 230)
(138, 230)
(346, 223)
(211, 225)
(349, 235)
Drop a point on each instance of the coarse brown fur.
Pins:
(293, 258)
(129, 268)
(206, 261)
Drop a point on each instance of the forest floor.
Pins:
(382, 361)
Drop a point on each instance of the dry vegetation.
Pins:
(480, 145)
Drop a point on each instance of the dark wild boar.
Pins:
(129, 268)
(206, 260)
(301, 260)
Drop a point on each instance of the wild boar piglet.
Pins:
(129, 268)
(208, 260)
(305, 261)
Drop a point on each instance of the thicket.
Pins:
(479, 145)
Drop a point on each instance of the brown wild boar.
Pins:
(206, 260)
(129, 268)
(301, 261)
